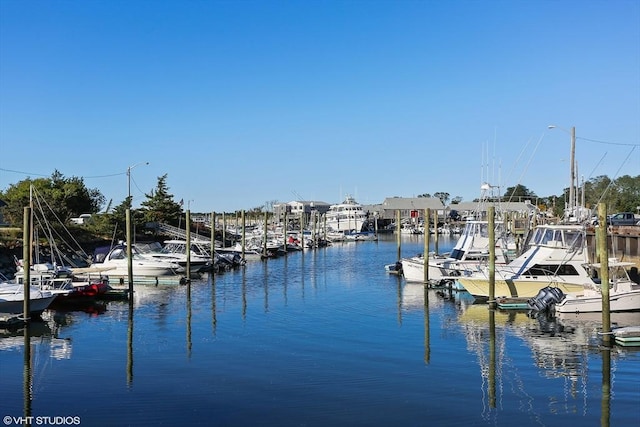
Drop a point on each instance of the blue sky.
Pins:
(242, 103)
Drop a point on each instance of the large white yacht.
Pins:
(346, 216)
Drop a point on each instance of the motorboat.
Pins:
(346, 216)
(62, 281)
(176, 251)
(116, 264)
(556, 256)
(12, 298)
(469, 254)
(624, 294)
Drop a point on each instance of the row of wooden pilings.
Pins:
(601, 254)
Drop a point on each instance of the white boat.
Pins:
(624, 294)
(557, 256)
(346, 216)
(12, 298)
(118, 266)
(470, 252)
(176, 251)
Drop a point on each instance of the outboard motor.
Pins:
(545, 299)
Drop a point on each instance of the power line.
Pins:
(607, 142)
(21, 172)
(39, 174)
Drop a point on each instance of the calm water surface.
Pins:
(318, 338)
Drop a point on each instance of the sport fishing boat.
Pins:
(556, 256)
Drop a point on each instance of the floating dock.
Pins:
(627, 336)
(512, 303)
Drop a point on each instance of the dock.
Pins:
(512, 303)
(627, 336)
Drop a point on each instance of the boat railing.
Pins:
(179, 233)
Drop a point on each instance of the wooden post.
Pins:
(302, 226)
(314, 237)
(188, 248)
(244, 235)
(324, 225)
(425, 257)
(129, 252)
(213, 237)
(285, 228)
(398, 232)
(26, 262)
(224, 230)
(492, 255)
(264, 240)
(435, 228)
(601, 238)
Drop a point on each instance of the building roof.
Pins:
(412, 203)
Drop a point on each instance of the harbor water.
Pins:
(317, 338)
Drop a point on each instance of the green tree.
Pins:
(517, 193)
(444, 197)
(628, 188)
(160, 206)
(57, 198)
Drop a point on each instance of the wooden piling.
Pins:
(285, 228)
(213, 236)
(398, 233)
(244, 234)
(603, 253)
(435, 228)
(264, 240)
(129, 251)
(188, 242)
(492, 255)
(224, 230)
(425, 251)
(26, 262)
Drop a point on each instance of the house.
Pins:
(298, 209)
(409, 207)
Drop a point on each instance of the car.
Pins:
(622, 218)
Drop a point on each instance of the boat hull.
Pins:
(413, 270)
(593, 303)
(36, 305)
(518, 288)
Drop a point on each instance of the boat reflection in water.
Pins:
(561, 347)
(42, 338)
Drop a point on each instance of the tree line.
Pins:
(620, 195)
(68, 197)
